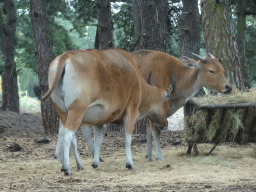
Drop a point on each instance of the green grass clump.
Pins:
(29, 103)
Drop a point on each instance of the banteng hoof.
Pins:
(101, 160)
(95, 166)
(80, 167)
(159, 158)
(66, 171)
(129, 166)
(149, 158)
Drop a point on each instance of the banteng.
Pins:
(190, 77)
(96, 87)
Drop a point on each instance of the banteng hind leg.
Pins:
(73, 122)
(59, 148)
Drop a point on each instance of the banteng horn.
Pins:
(149, 80)
(211, 55)
(199, 57)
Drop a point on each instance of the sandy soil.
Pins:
(33, 168)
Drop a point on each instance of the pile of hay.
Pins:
(223, 124)
(235, 96)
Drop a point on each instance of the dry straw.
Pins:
(224, 124)
(234, 97)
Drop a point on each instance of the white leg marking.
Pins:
(149, 143)
(98, 141)
(127, 144)
(66, 142)
(59, 153)
(159, 155)
(74, 149)
(87, 134)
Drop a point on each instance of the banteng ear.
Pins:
(149, 80)
(189, 62)
(169, 91)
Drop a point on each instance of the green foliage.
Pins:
(26, 80)
(29, 103)
(123, 26)
(83, 14)
(172, 36)
(250, 49)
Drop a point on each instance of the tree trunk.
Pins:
(153, 24)
(241, 26)
(220, 38)
(105, 24)
(10, 101)
(189, 29)
(136, 9)
(43, 60)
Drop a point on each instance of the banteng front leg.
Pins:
(97, 141)
(87, 134)
(149, 142)
(129, 123)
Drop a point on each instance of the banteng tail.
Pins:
(37, 90)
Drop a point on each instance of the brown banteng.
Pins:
(97, 87)
(190, 77)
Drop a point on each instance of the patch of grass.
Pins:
(37, 113)
(2, 129)
(29, 103)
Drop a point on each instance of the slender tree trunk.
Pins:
(241, 26)
(10, 99)
(136, 9)
(220, 38)
(43, 60)
(189, 29)
(154, 24)
(105, 24)
(96, 44)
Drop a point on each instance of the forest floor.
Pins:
(231, 167)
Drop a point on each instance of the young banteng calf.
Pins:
(96, 87)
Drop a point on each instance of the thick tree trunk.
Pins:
(105, 24)
(189, 29)
(43, 60)
(220, 38)
(154, 24)
(10, 99)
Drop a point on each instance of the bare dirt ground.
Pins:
(231, 167)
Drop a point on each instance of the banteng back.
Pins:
(190, 77)
(98, 87)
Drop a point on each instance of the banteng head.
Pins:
(159, 111)
(211, 73)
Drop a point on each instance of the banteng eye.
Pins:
(211, 71)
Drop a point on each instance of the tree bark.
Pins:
(10, 101)
(43, 59)
(189, 29)
(153, 24)
(220, 39)
(105, 24)
(136, 9)
(241, 26)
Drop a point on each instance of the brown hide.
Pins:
(107, 81)
(188, 79)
